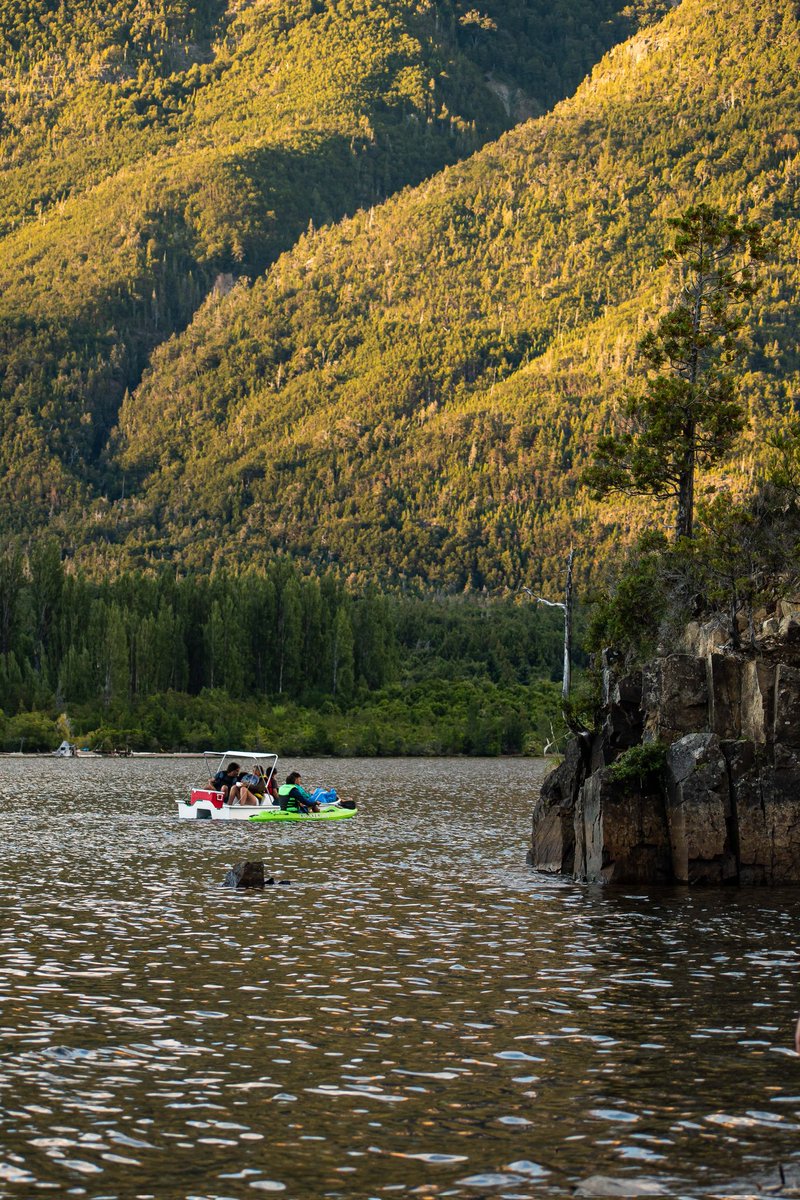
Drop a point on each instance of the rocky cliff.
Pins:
(717, 799)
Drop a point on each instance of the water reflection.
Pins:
(418, 1014)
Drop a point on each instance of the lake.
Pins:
(417, 1014)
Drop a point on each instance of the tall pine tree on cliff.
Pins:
(686, 415)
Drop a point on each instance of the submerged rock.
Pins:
(246, 875)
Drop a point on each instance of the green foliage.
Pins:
(429, 375)
(155, 661)
(155, 152)
(745, 555)
(628, 614)
(29, 732)
(636, 763)
(782, 467)
(467, 332)
(687, 414)
(432, 718)
(582, 709)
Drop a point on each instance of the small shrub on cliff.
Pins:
(583, 709)
(629, 615)
(746, 552)
(639, 762)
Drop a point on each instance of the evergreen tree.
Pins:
(214, 640)
(116, 681)
(11, 581)
(46, 586)
(76, 677)
(289, 639)
(687, 415)
(342, 655)
(145, 663)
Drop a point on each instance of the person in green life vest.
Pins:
(293, 797)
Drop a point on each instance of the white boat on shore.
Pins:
(207, 803)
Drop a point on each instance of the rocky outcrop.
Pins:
(724, 804)
(616, 841)
(698, 811)
(553, 837)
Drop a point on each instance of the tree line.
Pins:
(127, 655)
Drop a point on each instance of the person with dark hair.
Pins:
(293, 797)
(225, 781)
(270, 784)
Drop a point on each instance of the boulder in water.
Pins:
(246, 875)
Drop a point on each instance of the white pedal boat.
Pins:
(205, 803)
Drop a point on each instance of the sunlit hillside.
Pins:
(154, 152)
(410, 394)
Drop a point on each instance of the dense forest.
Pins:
(154, 153)
(292, 663)
(310, 317)
(412, 394)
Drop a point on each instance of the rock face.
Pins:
(698, 811)
(553, 840)
(725, 808)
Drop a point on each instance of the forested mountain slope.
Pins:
(147, 149)
(409, 395)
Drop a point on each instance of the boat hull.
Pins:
(206, 810)
(332, 813)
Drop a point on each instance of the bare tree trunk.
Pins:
(684, 522)
(566, 606)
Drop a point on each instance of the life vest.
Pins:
(287, 801)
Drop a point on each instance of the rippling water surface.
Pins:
(418, 1014)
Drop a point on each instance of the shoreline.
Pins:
(155, 754)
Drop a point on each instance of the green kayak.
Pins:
(332, 813)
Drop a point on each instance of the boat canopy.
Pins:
(217, 760)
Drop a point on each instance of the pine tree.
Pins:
(11, 582)
(687, 414)
(342, 655)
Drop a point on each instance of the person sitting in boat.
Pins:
(292, 797)
(270, 784)
(225, 781)
(253, 786)
(262, 784)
